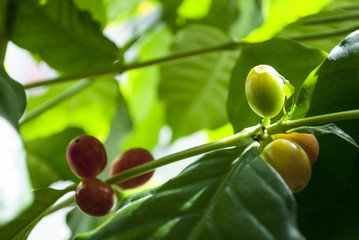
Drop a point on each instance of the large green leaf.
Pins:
(280, 13)
(292, 60)
(66, 38)
(21, 227)
(14, 181)
(331, 212)
(51, 158)
(85, 109)
(221, 196)
(79, 221)
(334, 85)
(194, 91)
(328, 27)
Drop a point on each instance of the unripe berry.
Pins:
(95, 197)
(86, 156)
(129, 159)
(290, 161)
(264, 91)
(307, 141)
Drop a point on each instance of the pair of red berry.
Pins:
(87, 158)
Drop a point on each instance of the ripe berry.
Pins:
(86, 156)
(129, 159)
(264, 91)
(307, 141)
(290, 161)
(95, 197)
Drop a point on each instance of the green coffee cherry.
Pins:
(264, 91)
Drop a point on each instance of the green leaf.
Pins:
(279, 13)
(330, 128)
(66, 38)
(79, 221)
(333, 86)
(12, 98)
(14, 181)
(326, 28)
(233, 16)
(52, 156)
(83, 110)
(21, 227)
(291, 59)
(331, 212)
(221, 196)
(195, 91)
(96, 8)
(41, 173)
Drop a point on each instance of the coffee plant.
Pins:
(126, 72)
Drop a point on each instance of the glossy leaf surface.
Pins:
(221, 196)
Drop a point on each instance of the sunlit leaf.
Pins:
(195, 91)
(279, 13)
(326, 28)
(140, 92)
(85, 109)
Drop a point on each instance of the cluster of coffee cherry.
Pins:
(291, 155)
(87, 158)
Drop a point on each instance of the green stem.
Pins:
(118, 68)
(226, 46)
(332, 18)
(324, 34)
(55, 101)
(286, 125)
(74, 76)
(239, 139)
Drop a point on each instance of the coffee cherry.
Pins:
(129, 159)
(86, 156)
(264, 91)
(94, 197)
(307, 141)
(290, 161)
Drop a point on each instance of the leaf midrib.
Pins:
(207, 88)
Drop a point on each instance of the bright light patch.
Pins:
(194, 9)
(14, 184)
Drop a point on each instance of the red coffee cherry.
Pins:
(129, 159)
(94, 197)
(86, 156)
